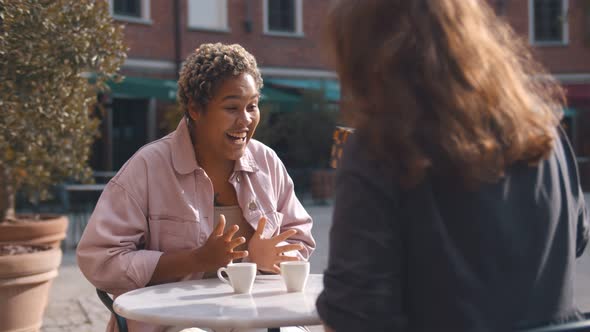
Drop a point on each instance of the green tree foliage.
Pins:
(55, 55)
(302, 137)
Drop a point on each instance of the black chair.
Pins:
(108, 302)
(581, 326)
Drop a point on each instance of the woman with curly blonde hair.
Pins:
(458, 205)
(203, 196)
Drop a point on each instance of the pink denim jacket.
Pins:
(161, 200)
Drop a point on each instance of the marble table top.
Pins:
(213, 304)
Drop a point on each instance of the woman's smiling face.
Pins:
(222, 131)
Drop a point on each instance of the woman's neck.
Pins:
(219, 172)
(215, 167)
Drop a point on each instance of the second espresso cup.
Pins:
(295, 275)
(241, 276)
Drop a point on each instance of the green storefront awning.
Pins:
(331, 88)
(275, 90)
(270, 94)
(140, 87)
(569, 112)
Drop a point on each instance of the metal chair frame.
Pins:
(108, 302)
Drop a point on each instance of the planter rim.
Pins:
(44, 231)
(34, 327)
(31, 279)
(44, 218)
(36, 241)
(28, 264)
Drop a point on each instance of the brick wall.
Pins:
(152, 41)
(270, 51)
(156, 41)
(571, 58)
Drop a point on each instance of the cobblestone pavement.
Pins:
(73, 304)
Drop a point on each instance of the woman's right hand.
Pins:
(218, 250)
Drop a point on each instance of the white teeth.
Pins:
(238, 135)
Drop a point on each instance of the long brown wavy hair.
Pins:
(441, 87)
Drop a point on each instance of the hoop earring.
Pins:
(189, 122)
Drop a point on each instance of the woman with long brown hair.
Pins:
(458, 205)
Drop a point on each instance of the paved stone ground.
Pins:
(74, 306)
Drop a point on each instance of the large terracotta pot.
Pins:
(25, 280)
(48, 230)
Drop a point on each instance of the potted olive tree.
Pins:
(55, 55)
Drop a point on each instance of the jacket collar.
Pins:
(246, 163)
(183, 153)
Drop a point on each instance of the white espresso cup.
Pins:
(241, 276)
(295, 275)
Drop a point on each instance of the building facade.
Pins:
(286, 36)
(283, 35)
(559, 33)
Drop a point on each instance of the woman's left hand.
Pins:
(265, 252)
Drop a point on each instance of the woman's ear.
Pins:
(194, 111)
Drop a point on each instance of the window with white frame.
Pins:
(283, 17)
(127, 7)
(207, 14)
(131, 10)
(548, 22)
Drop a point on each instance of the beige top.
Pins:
(233, 216)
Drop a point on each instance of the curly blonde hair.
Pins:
(207, 67)
(442, 87)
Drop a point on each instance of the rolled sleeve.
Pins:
(582, 233)
(111, 251)
(142, 266)
(581, 211)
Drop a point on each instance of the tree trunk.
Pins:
(7, 200)
(3, 195)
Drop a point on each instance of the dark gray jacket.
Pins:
(438, 257)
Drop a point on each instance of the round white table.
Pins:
(213, 304)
